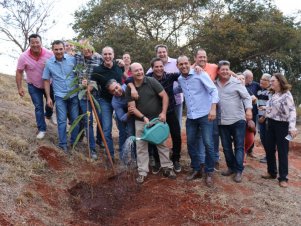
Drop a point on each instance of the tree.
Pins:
(20, 18)
(137, 26)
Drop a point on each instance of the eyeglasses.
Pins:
(264, 79)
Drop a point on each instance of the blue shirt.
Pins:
(61, 74)
(199, 92)
(120, 105)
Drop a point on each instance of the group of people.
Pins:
(220, 105)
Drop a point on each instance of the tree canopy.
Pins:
(250, 34)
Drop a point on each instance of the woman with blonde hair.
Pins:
(281, 121)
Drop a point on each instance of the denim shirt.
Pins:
(199, 92)
(120, 105)
(62, 75)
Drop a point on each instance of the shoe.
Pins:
(209, 181)
(283, 184)
(194, 175)
(251, 155)
(140, 179)
(237, 178)
(52, 119)
(177, 166)
(227, 173)
(268, 176)
(93, 154)
(216, 166)
(64, 149)
(263, 160)
(41, 135)
(169, 173)
(156, 168)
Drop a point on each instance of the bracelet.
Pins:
(142, 117)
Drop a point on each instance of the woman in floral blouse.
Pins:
(281, 121)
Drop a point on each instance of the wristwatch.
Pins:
(142, 117)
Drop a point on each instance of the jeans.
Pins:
(275, 136)
(196, 129)
(122, 134)
(215, 135)
(36, 95)
(179, 112)
(234, 133)
(63, 107)
(105, 117)
(85, 105)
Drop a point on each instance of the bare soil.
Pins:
(40, 185)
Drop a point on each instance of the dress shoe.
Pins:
(227, 173)
(237, 178)
(283, 184)
(268, 176)
(209, 181)
(194, 175)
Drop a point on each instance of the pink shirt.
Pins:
(34, 66)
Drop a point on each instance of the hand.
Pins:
(293, 133)
(198, 69)
(49, 103)
(249, 114)
(134, 94)
(254, 99)
(162, 117)
(120, 63)
(145, 120)
(131, 110)
(212, 115)
(21, 92)
(261, 119)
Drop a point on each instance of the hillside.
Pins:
(42, 186)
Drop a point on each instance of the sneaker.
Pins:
(237, 178)
(268, 176)
(52, 119)
(140, 179)
(177, 166)
(283, 184)
(156, 168)
(227, 173)
(263, 160)
(93, 154)
(169, 173)
(41, 135)
(194, 175)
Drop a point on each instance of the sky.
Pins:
(63, 15)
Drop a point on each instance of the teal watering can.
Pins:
(154, 132)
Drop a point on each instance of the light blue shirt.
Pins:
(62, 75)
(120, 105)
(199, 92)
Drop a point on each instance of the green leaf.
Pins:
(81, 94)
(96, 103)
(94, 84)
(74, 82)
(76, 121)
(72, 92)
(77, 138)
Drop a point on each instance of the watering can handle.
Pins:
(152, 122)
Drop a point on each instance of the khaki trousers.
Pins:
(142, 152)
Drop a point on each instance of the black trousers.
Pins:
(275, 137)
(175, 132)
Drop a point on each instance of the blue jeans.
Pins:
(215, 134)
(85, 105)
(36, 95)
(122, 134)
(234, 133)
(105, 117)
(197, 129)
(63, 107)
